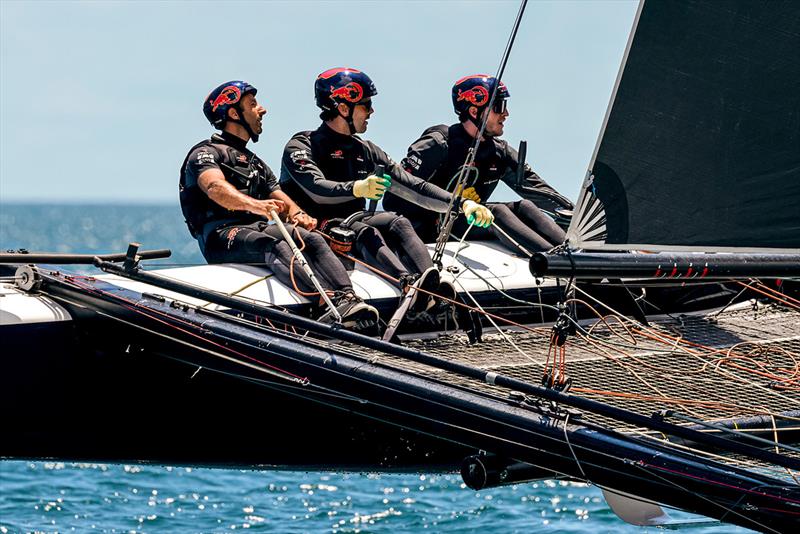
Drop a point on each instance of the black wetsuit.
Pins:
(227, 236)
(439, 155)
(318, 171)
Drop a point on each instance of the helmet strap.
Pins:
(349, 119)
(477, 119)
(243, 123)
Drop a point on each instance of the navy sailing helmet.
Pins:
(221, 99)
(342, 85)
(476, 90)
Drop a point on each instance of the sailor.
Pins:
(331, 171)
(227, 194)
(440, 153)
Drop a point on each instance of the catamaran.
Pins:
(655, 354)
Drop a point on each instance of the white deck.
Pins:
(18, 307)
(488, 261)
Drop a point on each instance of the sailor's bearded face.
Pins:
(495, 122)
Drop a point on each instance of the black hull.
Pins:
(123, 379)
(172, 384)
(142, 400)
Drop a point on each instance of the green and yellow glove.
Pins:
(372, 187)
(476, 214)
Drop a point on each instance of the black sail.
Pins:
(701, 145)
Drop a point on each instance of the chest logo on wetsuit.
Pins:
(241, 158)
(337, 154)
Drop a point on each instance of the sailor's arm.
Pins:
(408, 186)
(213, 183)
(426, 154)
(533, 187)
(299, 166)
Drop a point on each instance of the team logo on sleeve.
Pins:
(299, 157)
(204, 157)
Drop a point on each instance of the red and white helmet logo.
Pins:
(229, 95)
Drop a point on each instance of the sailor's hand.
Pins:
(372, 187)
(467, 194)
(470, 194)
(304, 220)
(265, 207)
(477, 214)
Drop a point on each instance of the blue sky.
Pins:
(100, 101)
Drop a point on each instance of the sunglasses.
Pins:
(366, 103)
(500, 106)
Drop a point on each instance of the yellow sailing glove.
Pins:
(372, 187)
(477, 214)
(470, 194)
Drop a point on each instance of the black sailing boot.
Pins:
(428, 281)
(443, 312)
(357, 315)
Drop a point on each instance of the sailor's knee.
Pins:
(526, 204)
(500, 210)
(368, 235)
(401, 225)
(314, 240)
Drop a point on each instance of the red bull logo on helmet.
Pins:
(352, 92)
(229, 95)
(477, 96)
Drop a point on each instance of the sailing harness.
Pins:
(242, 169)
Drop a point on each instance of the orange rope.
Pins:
(795, 306)
(291, 267)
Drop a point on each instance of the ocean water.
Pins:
(81, 497)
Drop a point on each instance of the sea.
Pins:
(61, 496)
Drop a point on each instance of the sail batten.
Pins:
(700, 149)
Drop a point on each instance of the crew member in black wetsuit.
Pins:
(227, 194)
(331, 171)
(440, 153)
